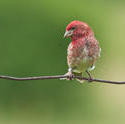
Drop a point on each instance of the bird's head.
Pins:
(77, 29)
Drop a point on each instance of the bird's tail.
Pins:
(79, 80)
(76, 74)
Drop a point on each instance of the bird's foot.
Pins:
(90, 79)
(69, 75)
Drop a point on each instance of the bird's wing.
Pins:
(93, 48)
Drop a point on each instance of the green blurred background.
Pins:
(32, 44)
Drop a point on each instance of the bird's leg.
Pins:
(69, 74)
(90, 77)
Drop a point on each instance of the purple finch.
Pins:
(83, 51)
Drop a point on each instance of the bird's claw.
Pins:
(90, 79)
(69, 75)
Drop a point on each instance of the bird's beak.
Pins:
(68, 33)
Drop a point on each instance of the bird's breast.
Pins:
(77, 49)
(78, 56)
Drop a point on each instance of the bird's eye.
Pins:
(73, 28)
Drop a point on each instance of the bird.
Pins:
(83, 50)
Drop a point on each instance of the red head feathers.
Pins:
(77, 29)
